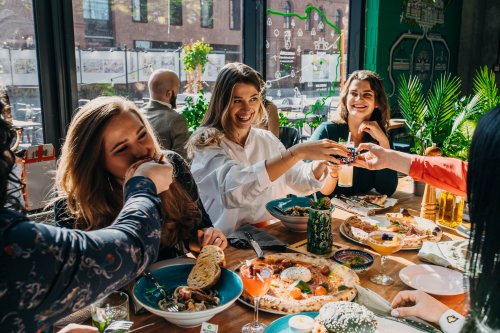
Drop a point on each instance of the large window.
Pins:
(235, 14)
(140, 11)
(19, 70)
(305, 56)
(207, 12)
(123, 66)
(175, 12)
(96, 9)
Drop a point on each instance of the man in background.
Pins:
(170, 126)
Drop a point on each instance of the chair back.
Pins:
(289, 136)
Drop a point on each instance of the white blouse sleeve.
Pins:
(237, 185)
(300, 178)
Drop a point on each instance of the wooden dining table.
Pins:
(232, 319)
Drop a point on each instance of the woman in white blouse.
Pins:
(239, 168)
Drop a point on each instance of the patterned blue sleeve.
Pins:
(50, 272)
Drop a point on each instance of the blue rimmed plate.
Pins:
(386, 324)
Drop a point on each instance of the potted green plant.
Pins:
(195, 58)
(195, 111)
(443, 117)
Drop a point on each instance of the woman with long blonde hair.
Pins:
(240, 168)
(104, 138)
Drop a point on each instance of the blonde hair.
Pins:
(216, 123)
(93, 196)
(381, 114)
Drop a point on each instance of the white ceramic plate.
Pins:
(461, 229)
(433, 279)
(344, 233)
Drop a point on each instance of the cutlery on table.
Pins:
(166, 304)
(359, 201)
(255, 245)
(118, 325)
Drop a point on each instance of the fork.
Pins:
(119, 325)
(166, 304)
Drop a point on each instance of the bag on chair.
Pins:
(39, 166)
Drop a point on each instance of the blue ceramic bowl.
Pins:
(229, 288)
(293, 223)
(345, 257)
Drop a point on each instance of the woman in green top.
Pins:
(364, 112)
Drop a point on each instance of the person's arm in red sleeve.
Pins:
(443, 172)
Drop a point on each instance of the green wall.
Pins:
(384, 27)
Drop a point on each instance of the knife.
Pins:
(360, 201)
(254, 244)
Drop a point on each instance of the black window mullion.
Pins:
(53, 21)
(355, 48)
(254, 32)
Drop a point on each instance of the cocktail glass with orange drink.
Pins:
(384, 243)
(256, 281)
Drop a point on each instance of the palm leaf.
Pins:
(411, 102)
(441, 103)
(484, 84)
(472, 108)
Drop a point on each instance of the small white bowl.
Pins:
(301, 324)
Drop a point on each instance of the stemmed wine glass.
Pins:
(384, 243)
(256, 281)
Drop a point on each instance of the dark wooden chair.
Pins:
(289, 136)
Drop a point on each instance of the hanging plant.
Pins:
(195, 58)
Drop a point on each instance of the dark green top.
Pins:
(383, 181)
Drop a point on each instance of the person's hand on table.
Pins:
(416, 303)
(77, 328)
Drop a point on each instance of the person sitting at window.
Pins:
(479, 178)
(170, 127)
(45, 272)
(240, 168)
(104, 138)
(364, 114)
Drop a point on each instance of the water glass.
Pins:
(108, 309)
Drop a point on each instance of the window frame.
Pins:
(231, 15)
(143, 11)
(210, 4)
(180, 9)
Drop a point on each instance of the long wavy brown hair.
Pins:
(93, 196)
(381, 114)
(216, 122)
